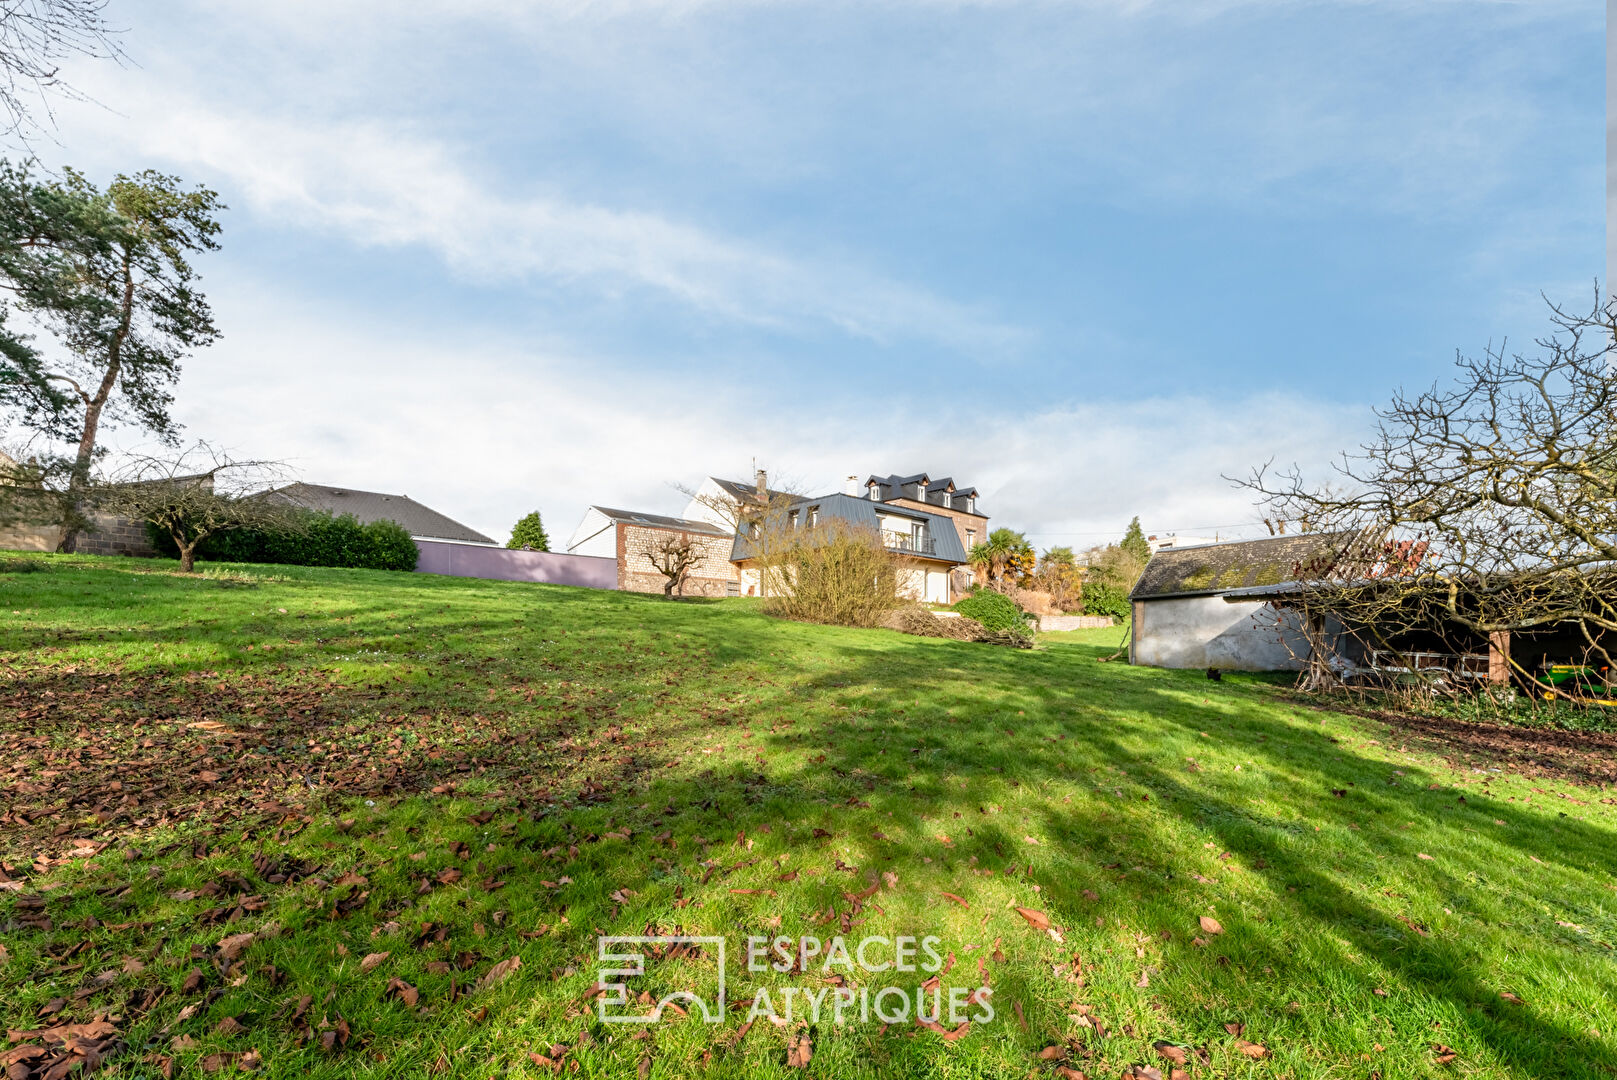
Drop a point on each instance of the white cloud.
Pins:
(485, 430)
(382, 185)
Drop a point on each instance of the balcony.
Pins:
(909, 543)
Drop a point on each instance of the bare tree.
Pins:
(35, 37)
(768, 518)
(673, 556)
(196, 495)
(1479, 508)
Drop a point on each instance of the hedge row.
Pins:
(317, 539)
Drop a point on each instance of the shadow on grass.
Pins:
(941, 711)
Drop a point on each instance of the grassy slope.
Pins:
(1123, 802)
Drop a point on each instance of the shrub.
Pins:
(315, 538)
(994, 610)
(1103, 599)
(837, 573)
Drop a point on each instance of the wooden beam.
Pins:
(1499, 658)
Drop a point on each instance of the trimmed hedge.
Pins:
(319, 539)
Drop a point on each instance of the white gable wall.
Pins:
(595, 535)
(702, 505)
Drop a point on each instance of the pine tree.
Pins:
(529, 533)
(1134, 543)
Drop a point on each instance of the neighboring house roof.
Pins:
(369, 506)
(741, 491)
(940, 530)
(659, 521)
(1213, 569)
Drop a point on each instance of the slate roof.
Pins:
(741, 492)
(1213, 569)
(941, 492)
(369, 506)
(659, 521)
(857, 511)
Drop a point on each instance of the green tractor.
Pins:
(1578, 682)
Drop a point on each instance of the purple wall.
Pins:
(500, 564)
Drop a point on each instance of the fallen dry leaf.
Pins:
(1256, 1051)
(403, 991)
(956, 899)
(1175, 1054)
(499, 971)
(372, 961)
(800, 1051)
(1036, 919)
(1211, 925)
(232, 946)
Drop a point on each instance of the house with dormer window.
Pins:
(931, 525)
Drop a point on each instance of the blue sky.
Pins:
(1086, 256)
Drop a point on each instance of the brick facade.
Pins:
(962, 577)
(712, 574)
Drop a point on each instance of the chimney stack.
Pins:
(850, 486)
(761, 478)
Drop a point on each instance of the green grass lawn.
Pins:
(395, 784)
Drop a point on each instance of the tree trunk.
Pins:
(187, 558)
(80, 480)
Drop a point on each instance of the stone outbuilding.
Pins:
(1189, 611)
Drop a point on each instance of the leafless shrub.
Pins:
(833, 572)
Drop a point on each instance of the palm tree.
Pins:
(1005, 551)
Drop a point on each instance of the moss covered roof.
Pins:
(1216, 568)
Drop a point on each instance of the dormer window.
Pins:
(814, 516)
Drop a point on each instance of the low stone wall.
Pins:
(1050, 623)
(107, 535)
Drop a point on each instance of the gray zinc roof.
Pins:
(369, 506)
(862, 512)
